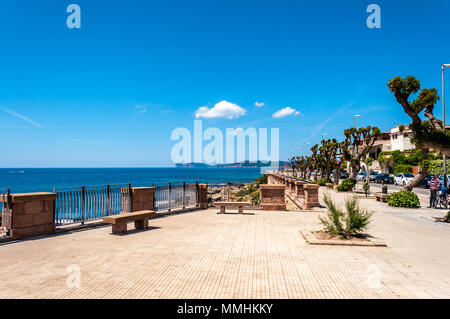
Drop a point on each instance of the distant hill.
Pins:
(245, 164)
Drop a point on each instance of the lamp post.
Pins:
(443, 118)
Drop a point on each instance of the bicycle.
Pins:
(442, 201)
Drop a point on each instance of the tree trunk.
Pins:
(416, 180)
(355, 169)
(338, 175)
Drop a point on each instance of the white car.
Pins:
(361, 176)
(403, 178)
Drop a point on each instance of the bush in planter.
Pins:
(346, 223)
(405, 199)
(346, 185)
(323, 181)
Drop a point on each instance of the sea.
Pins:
(24, 180)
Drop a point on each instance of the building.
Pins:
(401, 141)
(392, 140)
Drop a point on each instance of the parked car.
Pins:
(344, 174)
(361, 176)
(384, 178)
(373, 176)
(403, 178)
(425, 182)
(441, 179)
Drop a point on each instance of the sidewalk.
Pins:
(205, 255)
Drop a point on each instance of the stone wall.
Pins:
(32, 214)
(304, 195)
(311, 192)
(272, 197)
(142, 198)
(203, 196)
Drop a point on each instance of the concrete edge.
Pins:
(312, 240)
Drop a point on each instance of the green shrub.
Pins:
(346, 185)
(437, 167)
(255, 198)
(323, 181)
(366, 187)
(406, 199)
(402, 168)
(345, 224)
(261, 180)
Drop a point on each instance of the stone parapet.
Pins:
(32, 214)
(272, 197)
(142, 198)
(299, 192)
(203, 196)
(311, 192)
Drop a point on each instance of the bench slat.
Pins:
(232, 204)
(127, 217)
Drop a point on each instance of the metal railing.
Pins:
(172, 196)
(85, 203)
(5, 211)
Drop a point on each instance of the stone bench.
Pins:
(381, 197)
(119, 222)
(240, 206)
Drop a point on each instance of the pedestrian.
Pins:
(434, 186)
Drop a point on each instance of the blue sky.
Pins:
(110, 93)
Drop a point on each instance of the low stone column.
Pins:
(142, 198)
(311, 196)
(203, 196)
(272, 197)
(32, 214)
(299, 192)
(292, 185)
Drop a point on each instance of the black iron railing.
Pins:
(85, 203)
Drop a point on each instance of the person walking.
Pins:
(434, 186)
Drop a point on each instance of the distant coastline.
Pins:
(245, 164)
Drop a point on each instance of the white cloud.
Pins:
(285, 112)
(259, 104)
(142, 109)
(22, 117)
(222, 109)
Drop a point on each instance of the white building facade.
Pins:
(401, 141)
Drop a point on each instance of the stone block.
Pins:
(23, 221)
(34, 207)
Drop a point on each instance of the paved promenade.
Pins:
(204, 255)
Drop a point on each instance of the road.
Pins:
(374, 187)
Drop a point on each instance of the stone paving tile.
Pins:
(204, 255)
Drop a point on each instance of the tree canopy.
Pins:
(426, 134)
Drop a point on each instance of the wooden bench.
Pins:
(119, 222)
(381, 197)
(240, 206)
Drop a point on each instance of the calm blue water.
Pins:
(23, 180)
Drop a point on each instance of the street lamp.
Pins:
(354, 119)
(443, 118)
